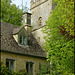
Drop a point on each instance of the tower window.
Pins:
(28, 19)
(40, 21)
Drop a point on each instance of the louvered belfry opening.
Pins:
(26, 18)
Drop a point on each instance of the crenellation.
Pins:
(37, 3)
(40, 10)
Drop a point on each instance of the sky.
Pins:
(19, 2)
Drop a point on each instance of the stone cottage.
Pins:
(19, 48)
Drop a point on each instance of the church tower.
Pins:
(40, 10)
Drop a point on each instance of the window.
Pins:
(40, 21)
(10, 64)
(29, 68)
(22, 40)
(28, 19)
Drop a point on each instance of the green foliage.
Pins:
(22, 72)
(10, 13)
(44, 68)
(5, 71)
(60, 49)
(25, 8)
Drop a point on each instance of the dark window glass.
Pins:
(28, 19)
(20, 40)
(10, 64)
(29, 68)
(40, 21)
(7, 64)
(24, 40)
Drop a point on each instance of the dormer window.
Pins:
(22, 40)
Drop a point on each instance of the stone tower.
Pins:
(40, 10)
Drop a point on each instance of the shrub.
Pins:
(6, 71)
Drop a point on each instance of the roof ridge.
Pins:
(11, 24)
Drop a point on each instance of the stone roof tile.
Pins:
(9, 44)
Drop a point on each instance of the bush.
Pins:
(22, 72)
(44, 69)
(6, 71)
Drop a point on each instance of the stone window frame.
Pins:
(22, 40)
(40, 21)
(10, 63)
(28, 19)
(28, 67)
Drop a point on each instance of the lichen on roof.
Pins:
(9, 44)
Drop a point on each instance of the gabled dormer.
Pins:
(22, 37)
(21, 34)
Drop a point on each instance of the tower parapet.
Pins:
(35, 3)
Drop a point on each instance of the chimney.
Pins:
(27, 21)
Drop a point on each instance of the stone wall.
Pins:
(39, 36)
(40, 8)
(20, 61)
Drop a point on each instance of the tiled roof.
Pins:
(16, 30)
(9, 44)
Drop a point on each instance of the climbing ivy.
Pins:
(59, 43)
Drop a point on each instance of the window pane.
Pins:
(40, 21)
(24, 41)
(29, 68)
(20, 40)
(7, 63)
(28, 21)
(10, 64)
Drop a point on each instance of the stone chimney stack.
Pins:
(27, 21)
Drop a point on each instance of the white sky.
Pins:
(19, 2)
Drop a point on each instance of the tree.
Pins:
(10, 13)
(59, 43)
(25, 8)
